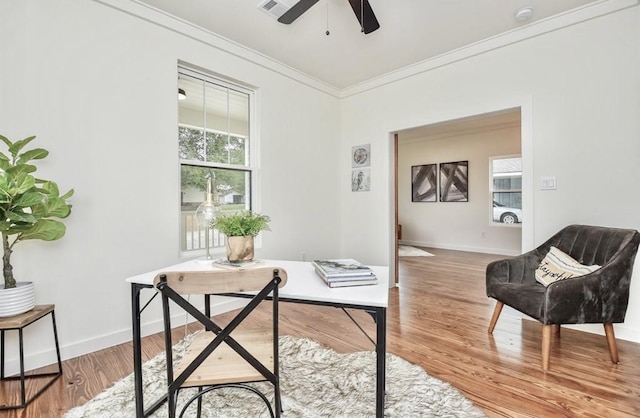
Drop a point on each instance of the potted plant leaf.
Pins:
(30, 208)
(240, 229)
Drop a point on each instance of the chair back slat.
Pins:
(220, 281)
(227, 355)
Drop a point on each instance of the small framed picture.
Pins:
(424, 183)
(454, 181)
(361, 156)
(360, 180)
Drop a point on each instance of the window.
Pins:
(214, 127)
(506, 189)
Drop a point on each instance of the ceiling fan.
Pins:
(362, 9)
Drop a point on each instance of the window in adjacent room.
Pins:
(214, 127)
(506, 189)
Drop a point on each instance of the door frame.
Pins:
(528, 185)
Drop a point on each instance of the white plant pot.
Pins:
(17, 300)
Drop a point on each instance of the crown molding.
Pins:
(160, 18)
(563, 20)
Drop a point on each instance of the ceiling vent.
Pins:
(275, 8)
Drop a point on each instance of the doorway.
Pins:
(468, 225)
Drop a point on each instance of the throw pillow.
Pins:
(557, 265)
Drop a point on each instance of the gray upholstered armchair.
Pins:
(598, 297)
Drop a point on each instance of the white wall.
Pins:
(454, 225)
(97, 86)
(579, 86)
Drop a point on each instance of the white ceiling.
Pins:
(410, 31)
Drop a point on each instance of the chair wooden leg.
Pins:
(546, 346)
(556, 329)
(496, 314)
(611, 341)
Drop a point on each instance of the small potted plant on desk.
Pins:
(240, 229)
(28, 207)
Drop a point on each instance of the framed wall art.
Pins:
(360, 163)
(361, 156)
(360, 180)
(454, 181)
(424, 183)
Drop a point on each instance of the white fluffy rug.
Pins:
(315, 382)
(408, 251)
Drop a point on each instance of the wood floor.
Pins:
(437, 318)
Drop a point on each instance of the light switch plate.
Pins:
(548, 183)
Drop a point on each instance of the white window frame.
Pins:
(251, 160)
(492, 190)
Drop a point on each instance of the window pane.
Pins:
(190, 143)
(512, 199)
(213, 142)
(506, 187)
(218, 148)
(238, 111)
(222, 113)
(507, 183)
(222, 148)
(507, 165)
(231, 191)
(507, 208)
(231, 187)
(190, 109)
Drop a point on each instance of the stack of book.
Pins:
(344, 272)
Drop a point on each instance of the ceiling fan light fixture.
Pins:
(181, 94)
(523, 14)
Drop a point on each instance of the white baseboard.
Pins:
(483, 250)
(47, 356)
(34, 360)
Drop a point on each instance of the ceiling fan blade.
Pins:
(368, 22)
(296, 11)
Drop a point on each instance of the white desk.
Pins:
(303, 286)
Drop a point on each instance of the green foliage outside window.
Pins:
(218, 148)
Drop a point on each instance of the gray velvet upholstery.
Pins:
(598, 297)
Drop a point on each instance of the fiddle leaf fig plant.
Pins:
(30, 208)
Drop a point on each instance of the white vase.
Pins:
(17, 300)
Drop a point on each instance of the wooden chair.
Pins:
(599, 297)
(229, 356)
